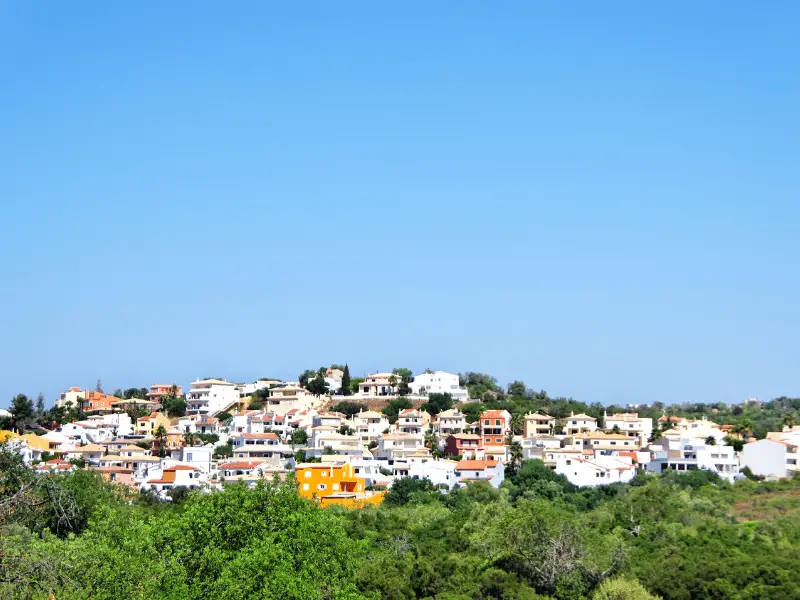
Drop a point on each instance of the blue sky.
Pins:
(601, 200)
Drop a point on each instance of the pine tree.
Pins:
(346, 380)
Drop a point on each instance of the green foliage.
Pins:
(438, 403)
(346, 381)
(349, 408)
(621, 588)
(22, 412)
(174, 406)
(318, 386)
(264, 543)
(537, 537)
(394, 407)
(299, 437)
(223, 450)
(404, 490)
(224, 416)
(207, 438)
(354, 383)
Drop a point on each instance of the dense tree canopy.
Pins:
(538, 537)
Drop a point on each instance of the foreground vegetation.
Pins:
(678, 537)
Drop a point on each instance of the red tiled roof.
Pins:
(493, 414)
(181, 468)
(627, 453)
(244, 464)
(475, 465)
(260, 436)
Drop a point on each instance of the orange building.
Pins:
(159, 390)
(98, 401)
(331, 484)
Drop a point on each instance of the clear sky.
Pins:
(600, 199)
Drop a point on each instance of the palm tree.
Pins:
(790, 420)
(431, 441)
(189, 439)
(517, 424)
(711, 441)
(745, 429)
(160, 435)
(515, 452)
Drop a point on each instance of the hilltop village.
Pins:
(347, 441)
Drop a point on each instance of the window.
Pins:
(487, 422)
(499, 440)
(497, 421)
(189, 457)
(322, 486)
(308, 474)
(305, 487)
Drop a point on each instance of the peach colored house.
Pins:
(114, 474)
(98, 402)
(158, 390)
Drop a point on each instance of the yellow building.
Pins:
(331, 484)
(147, 425)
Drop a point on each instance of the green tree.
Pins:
(173, 405)
(431, 439)
(516, 454)
(403, 377)
(620, 588)
(349, 408)
(22, 412)
(517, 424)
(306, 376)
(403, 490)
(160, 436)
(517, 388)
(40, 408)
(318, 386)
(299, 437)
(393, 408)
(346, 382)
(438, 403)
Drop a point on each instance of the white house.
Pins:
(211, 396)
(252, 446)
(480, 470)
(438, 382)
(197, 456)
(579, 423)
(369, 424)
(199, 423)
(176, 476)
(538, 424)
(630, 424)
(411, 420)
(590, 472)
(331, 419)
(234, 470)
(692, 455)
(70, 397)
(441, 473)
(770, 458)
(287, 396)
(379, 384)
(450, 422)
(398, 445)
(117, 424)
